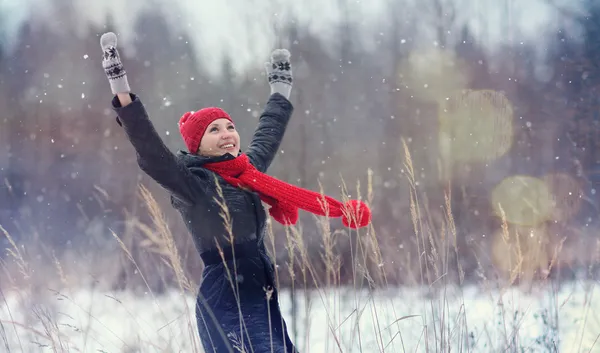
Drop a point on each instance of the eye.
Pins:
(214, 129)
(231, 127)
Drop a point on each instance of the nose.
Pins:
(226, 134)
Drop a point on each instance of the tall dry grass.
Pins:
(438, 273)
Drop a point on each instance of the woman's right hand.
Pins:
(113, 68)
(279, 72)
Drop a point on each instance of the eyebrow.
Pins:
(217, 125)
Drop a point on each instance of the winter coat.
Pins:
(195, 194)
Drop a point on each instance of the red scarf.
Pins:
(285, 199)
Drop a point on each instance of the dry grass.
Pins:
(438, 271)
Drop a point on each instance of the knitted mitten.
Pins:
(113, 67)
(279, 72)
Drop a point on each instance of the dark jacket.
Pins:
(194, 193)
(193, 189)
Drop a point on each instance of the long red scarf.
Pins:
(285, 199)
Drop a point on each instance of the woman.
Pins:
(237, 307)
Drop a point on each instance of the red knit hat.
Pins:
(192, 125)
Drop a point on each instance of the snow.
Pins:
(94, 321)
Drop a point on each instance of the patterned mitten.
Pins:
(113, 67)
(279, 72)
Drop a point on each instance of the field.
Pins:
(341, 320)
(52, 305)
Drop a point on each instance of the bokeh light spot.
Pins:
(525, 200)
(475, 126)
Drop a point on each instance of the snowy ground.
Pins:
(92, 321)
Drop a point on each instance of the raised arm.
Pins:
(153, 157)
(274, 120)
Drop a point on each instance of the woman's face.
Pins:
(219, 138)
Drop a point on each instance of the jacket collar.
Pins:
(194, 161)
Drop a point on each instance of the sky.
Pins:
(250, 29)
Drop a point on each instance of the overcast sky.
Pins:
(249, 28)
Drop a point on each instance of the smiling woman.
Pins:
(218, 192)
(221, 138)
(237, 303)
(216, 129)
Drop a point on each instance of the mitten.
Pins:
(279, 72)
(113, 67)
